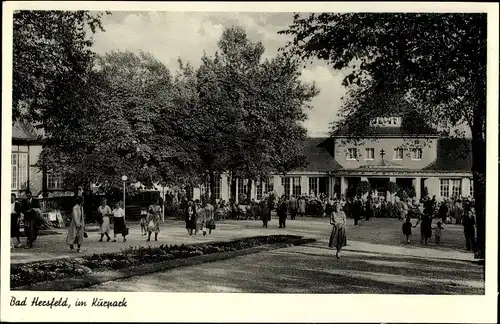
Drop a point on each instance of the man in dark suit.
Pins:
(31, 223)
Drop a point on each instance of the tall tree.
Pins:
(51, 50)
(251, 110)
(436, 62)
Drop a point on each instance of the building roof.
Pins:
(381, 164)
(453, 154)
(320, 155)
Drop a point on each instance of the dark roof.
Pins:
(453, 154)
(387, 132)
(320, 154)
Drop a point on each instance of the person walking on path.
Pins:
(104, 212)
(407, 226)
(190, 217)
(338, 237)
(199, 218)
(425, 222)
(302, 206)
(265, 213)
(209, 218)
(294, 206)
(282, 211)
(15, 218)
(469, 230)
(369, 207)
(30, 209)
(119, 222)
(76, 229)
(357, 210)
(153, 220)
(437, 232)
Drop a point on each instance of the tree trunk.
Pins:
(479, 178)
(212, 187)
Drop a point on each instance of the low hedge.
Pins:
(46, 271)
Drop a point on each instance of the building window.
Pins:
(369, 154)
(352, 154)
(259, 190)
(313, 186)
(471, 188)
(217, 188)
(285, 182)
(242, 186)
(297, 188)
(417, 154)
(398, 153)
(456, 185)
(270, 184)
(19, 168)
(444, 188)
(54, 181)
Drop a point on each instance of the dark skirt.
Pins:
(190, 224)
(14, 225)
(407, 228)
(119, 225)
(338, 238)
(425, 230)
(211, 224)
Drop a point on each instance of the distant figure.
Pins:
(153, 219)
(437, 232)
(282, 211)
(425, 227)
(104, 212)
(15, 217)
(294, 206)
(369, 207)
(190, 217)
(357, 210)
(458, 212)
(144, 223)
(199, 218)
(209, 218)
(119, 222)
(265, 213)
(407, 226)
(338, 237)
(76, 229)
(469, 230)
(302, 206)
(31, 211)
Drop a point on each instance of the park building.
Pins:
(336, 165)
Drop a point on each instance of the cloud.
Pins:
(170, 35)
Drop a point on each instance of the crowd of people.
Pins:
(200, 216)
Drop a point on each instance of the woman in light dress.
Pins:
(209, 218)
(153, 220)
(199, 218)
(338, 237)
(119, 221)
(76, 228)
(105, 211)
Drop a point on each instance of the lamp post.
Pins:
(124, 179)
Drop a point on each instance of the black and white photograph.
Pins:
(251, 151)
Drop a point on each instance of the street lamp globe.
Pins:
(124, 178)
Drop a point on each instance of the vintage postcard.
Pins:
(249, 162)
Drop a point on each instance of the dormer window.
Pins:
(398, 153)
(416, 154)
(386, 122)
(352, 154)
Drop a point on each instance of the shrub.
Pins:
(363, 188)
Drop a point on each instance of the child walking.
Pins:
(407, 225)
(437, 232)
(144, 224)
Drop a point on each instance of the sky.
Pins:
(170, 35)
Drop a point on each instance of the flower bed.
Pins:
(46, 271)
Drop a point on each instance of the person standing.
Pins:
(357, 210)
(443, 211)
(294, 206)
(282, 211)
(199, 218)
(302, 206)
(153, 220)
(190, 217)
(458, 211)
(119, 222)
(425, 226)
(369, 207)
(253, 211)
(105, 212)
(30, 208)
(15, 215)
(209, 218)
(76, 229)
(265, 213)
(469, 230)
(338, 237)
